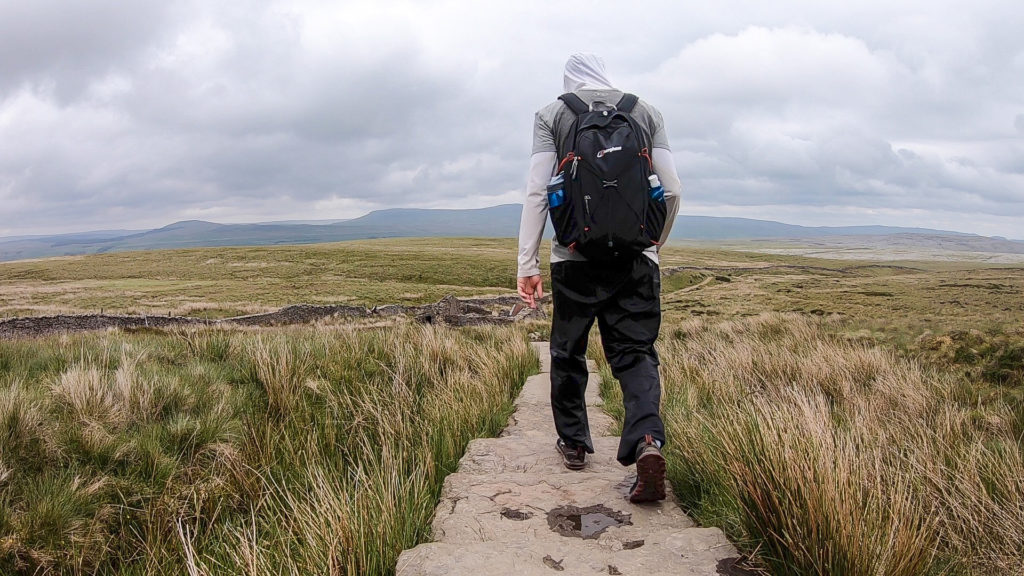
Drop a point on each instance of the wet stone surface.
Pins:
(586, 523)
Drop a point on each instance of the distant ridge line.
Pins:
(493, 222)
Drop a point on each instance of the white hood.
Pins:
(585, 70)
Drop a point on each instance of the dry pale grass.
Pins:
(88, 395)
(832, 457)
(283, 367)
(94, 396)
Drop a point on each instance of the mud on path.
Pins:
(512, 508)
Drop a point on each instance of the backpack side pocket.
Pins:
(561, 210)
(654, 219)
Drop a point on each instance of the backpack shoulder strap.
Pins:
(627, 103)
(577, 105)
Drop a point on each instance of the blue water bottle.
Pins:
(556, 192)
(657, 192)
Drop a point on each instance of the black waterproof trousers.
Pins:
(625, 298)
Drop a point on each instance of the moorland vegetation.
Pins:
(834, 417)
(311, 450)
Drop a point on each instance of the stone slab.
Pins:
(537, 390)
(471, 507)
(543, 351)
(538, 418)
(694, 552)
(534, 452)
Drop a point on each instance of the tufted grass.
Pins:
(822, 454)
(314, 450)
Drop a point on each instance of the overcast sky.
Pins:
(137, 114)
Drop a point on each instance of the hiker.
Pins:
(620, 289)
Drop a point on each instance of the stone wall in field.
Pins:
(449, 310)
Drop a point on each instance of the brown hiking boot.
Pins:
(650, 473)
(574, 457)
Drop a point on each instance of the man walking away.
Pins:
(620, 292)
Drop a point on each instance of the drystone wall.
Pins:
(449, 310)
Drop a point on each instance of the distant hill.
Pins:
(73, 236)
(715, 228)
(496, 221)
(315, 222)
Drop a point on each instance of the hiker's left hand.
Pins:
(531, 289)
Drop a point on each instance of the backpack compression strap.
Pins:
(578, 106)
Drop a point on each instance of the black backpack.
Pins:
(602, 202)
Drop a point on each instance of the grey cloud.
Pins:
(817, 116)
(122, 113)
(67, 44)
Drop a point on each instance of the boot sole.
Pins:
(575, 466)
(650, 479)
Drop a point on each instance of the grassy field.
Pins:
(312, 450)
(221, 282)
(834, 416)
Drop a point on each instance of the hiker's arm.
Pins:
(535, 213)
(535, 206)
(665, 168)
(531, 226)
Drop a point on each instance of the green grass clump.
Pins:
(996, 358)
(300, 451)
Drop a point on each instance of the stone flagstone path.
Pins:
(513, 508)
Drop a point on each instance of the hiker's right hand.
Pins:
(531, 289)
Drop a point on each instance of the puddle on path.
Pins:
(586, 523)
